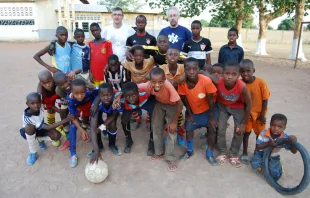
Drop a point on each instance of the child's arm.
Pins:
(241, 56)
(208, 59)
(190, 117)
(94, 106)
(214, 79)
(247, 112)
(262, 117)
(111, 118)
(292, 139)
(93, 135)
(266, 144)
(84, 134)
(57, 124)
(173, 124)
(37, 57)
(212, 120)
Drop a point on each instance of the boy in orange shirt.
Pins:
(197, 93)
(173, 72)
(167, 110)
(260, 94)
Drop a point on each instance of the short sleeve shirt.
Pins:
(80, 56)
(139, 75)
(198, 96)
(138, 39)
(180, 72)
(259, 92)
(177, 36)
(198, 49)
(167, 94)
(226, 54)
(118, 37)
(35, 120)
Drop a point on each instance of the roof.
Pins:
(90, 8)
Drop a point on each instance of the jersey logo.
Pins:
(201, 95)
(148, 41)
(134, 41)
(173, 38)
(203, 46)
(103, 50)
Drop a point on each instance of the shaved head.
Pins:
(247, 63)
(45, 75)
(33, 96)
(61, 29)
(59, 77)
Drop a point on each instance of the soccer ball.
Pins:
(96, 172)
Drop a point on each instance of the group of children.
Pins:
(161, 81)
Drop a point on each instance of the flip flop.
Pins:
(157, 157)
(172, 166)
(221, 159)
(244, 159)
(235, 162)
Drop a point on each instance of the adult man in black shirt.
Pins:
(141, 37)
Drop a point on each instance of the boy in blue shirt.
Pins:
(62, 54)
(231, 51)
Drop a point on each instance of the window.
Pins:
(85, 26)
(16, 11)
(76, 25)
(17, 22)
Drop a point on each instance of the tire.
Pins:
(305, 179)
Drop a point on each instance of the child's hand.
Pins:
(71, 75)
(262, 118)
(272, 143)
(182, 79)
(189, 118)
(95, 157)
(207, 68)
(292, 139)
(129, 56)
(69, 118)
(84, 135)
(213, 123)
(240, 129)
(116, 103)
(171, 127)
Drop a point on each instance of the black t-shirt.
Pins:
(137, 39)
(198, 50)
(159, 58)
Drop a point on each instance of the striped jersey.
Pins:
(35, 120)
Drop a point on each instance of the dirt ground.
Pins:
(134, 175)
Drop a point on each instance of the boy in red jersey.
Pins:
(234, 100)
(100, 50)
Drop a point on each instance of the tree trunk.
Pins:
(239, 21)
(299, 16)
(262, 36)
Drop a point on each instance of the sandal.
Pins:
(235, 162)
(244, 159)
(157, 157)
(172, 166)
(221, 159)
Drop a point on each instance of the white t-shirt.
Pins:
(36, 120)
(118, 37)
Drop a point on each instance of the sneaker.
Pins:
(32, 158)
(73, 161)
(186, 155)
(129, 143)
(91, 154)
(65, 145)
(115, 150)
(56, 143)
(181, 141)
(42, 145)
(150, 148)
(212, 161)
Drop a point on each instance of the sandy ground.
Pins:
(134, 175)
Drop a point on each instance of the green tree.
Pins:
(126, 5)
(217, 21)
(286, 24)
(308, 27)
(204, 23)
(270, 28)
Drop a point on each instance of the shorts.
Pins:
(256, 125)
(39, 133)
(97, 83)
(84, 75)
(84, 109)
(201, 120)
(49, 102)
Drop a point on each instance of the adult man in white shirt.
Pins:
(118, 33)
